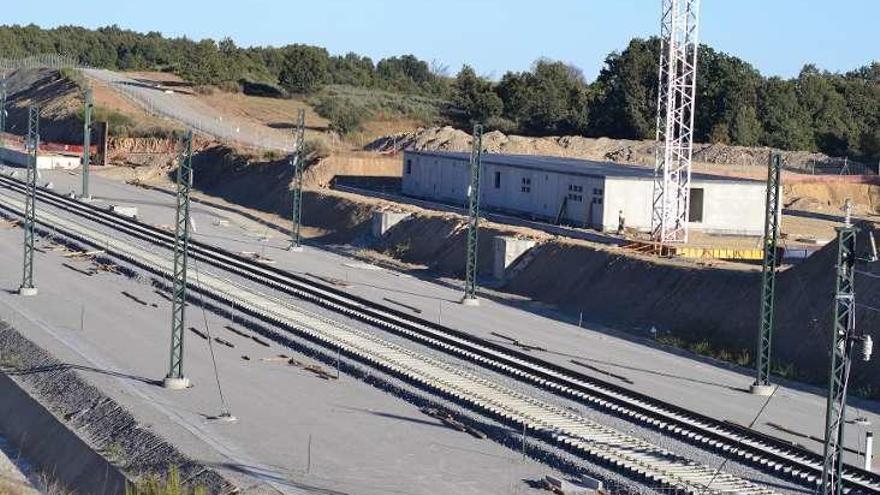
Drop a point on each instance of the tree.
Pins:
(304, 69)
(727, 93)
(353, 70)
(475, 96)
(785, 123)
(625, 105)
(551, 99)
(204, 65)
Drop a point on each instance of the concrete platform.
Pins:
(796, 412)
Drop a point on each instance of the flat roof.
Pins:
(574, 166)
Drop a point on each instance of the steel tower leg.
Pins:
(296, 159)
(762, 384)
(33, 145)
(2, 114)
(675, 120)
(176, 378)
(841, 355)
(474, 190)
(87, 142)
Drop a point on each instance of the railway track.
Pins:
(752, 448)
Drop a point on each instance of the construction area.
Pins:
(251, 302)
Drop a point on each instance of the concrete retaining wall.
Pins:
(46, 441)
(61, 423)
(44, 161)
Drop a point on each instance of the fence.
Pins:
(165, 104)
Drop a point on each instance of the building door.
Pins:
(696, 206)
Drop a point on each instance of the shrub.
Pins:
(153, 485)
(229, 87)
(345, 117)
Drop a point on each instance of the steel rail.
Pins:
(750, 447)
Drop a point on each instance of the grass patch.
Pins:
(371, 104)
(739, 357)
(74, 76)
(171, 485)
(123, 125)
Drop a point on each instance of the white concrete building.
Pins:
(580, 192)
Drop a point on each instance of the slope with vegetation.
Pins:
(838, 114)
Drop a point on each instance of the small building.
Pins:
(582, 192)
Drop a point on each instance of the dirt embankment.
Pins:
(266, 187)
(614, 150)
(689, 301)
(58, 98)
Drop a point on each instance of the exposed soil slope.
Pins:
(615, 150)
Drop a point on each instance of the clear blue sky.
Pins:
(777, 36)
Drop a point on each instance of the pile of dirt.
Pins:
(613, 150)
(827, 197)
(437, 241)
(324, 171)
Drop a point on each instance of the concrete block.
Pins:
(585, 486)
(506, 251)
(28, 291)
(470, 301)
(762, 390)
(176, 383)
(384, 220)
(127, 211)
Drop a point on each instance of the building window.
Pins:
(526, 185)
(497, 180)
(525, 189)
(409, 167)
(695, 214)
(574, 188)
(598, 192)
(597, 201)
(576, 197)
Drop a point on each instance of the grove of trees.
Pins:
(838, 114)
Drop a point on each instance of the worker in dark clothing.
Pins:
(621, 223)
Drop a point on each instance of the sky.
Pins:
(494, 36)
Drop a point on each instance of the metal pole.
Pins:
(470, 288)
(762, 384)
(869, 450)
(175, 379)
(841, 354)
(2, 115)
(296, 159)
(33, 145)
(87, 142)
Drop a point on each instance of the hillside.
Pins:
(836, 113)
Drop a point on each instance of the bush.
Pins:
(74, 76)
(345, 117)
(172, 485)
(120, 124)
(229, 87)
(316, 149)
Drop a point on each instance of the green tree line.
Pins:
(838, 114)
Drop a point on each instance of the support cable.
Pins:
(224, 406)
